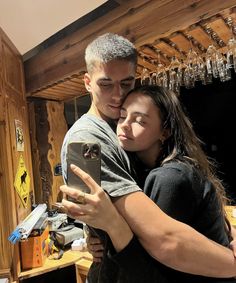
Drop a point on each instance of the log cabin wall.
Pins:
(46, 139)
(13, 107)
(48, 128)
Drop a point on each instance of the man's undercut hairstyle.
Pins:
(108, 47)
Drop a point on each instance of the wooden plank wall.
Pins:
(46, 145)
(13, 107)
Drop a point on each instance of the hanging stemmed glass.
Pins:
(202, 73)
(145, 77)
(217, 64)
(173, 79)
(231, 47)
(223, 70)
(191, 69)
(196, 62)
(189, 78)
(211, 61)
(211, 54)
(161, 75)
(180, 72)
(153, 77)
(231, 54)
(206, 77)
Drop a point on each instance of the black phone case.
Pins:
(87, 156)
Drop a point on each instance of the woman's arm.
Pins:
(171, 242)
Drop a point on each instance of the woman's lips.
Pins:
(124, 137)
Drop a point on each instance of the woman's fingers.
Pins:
(75, 208)
(78, 196)
(73, 193)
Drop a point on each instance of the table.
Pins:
(82, 266)
(84, 260)
(229, 213)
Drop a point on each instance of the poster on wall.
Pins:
(22, 182)
(19, 136)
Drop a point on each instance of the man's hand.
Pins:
(95, 247)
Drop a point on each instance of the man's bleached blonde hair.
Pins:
(108, 47)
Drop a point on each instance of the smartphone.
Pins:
(87, 156)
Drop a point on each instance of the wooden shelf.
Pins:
(82, 267)
(69, 258)
(229, 213)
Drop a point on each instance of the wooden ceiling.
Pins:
(159, 29)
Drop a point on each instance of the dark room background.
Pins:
(212, 110)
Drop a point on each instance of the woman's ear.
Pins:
(87, 82)
(165, 134)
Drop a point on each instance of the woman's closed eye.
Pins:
(140, 121)
(121, 119)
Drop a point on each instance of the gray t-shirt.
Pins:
(116, 180)
(116, 170)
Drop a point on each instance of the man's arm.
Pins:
(173, 243)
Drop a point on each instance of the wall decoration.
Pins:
(19, 136)
(22, 182)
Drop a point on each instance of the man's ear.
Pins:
(87, 82)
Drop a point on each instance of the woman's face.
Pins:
(140, 127)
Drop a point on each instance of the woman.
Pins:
(181, 181)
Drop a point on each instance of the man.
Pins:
(111, 64)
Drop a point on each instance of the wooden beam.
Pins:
(142, 21)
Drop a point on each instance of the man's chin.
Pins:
(114, 115)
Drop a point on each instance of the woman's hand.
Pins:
(92, 208)
(96, 210)
(95, 247)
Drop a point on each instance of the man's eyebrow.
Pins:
(130, 78)
(104, 79)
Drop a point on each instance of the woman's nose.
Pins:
(125, 125)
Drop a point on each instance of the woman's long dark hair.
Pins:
(182, 144)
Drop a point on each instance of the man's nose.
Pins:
(118, 92)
